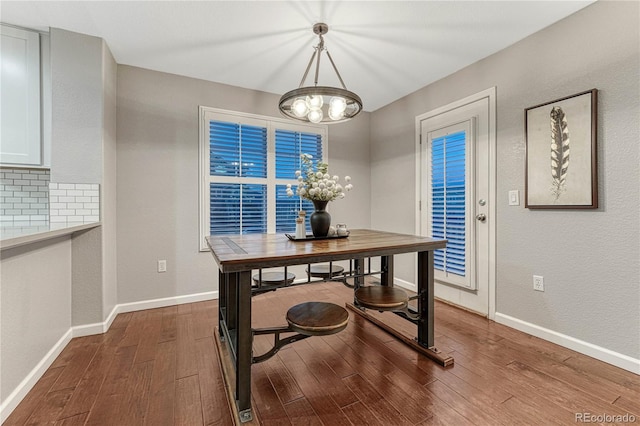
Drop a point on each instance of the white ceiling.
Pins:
(384, 50)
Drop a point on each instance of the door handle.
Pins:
(482, 217)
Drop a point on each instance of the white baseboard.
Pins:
(603, 354)
(95, 328)
(166, 301)
(400, 283)
(11, 402)
(405, 284)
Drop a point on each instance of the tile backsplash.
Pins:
(74, 202)
(24, 195)
(29, 198)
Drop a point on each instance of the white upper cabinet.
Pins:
(21, 136)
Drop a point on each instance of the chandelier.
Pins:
(320, 104)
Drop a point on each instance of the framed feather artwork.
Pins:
(561, 170)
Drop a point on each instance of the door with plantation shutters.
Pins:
(455, 201)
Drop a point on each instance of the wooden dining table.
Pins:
(238, 255)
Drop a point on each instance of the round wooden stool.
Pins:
(274, 278)
(317, 318)
(322, 271)
(381, 298)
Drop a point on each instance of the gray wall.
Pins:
(589, 259)
(35, 306)
(108, 186)
(84, 76)
(76, 115)
(157, 178)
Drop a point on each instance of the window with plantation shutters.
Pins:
(246, 162)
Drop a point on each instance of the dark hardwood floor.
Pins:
(160, 367)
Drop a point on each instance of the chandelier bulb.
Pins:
(300, 108)
(315, 115)
(338, 103)
(315, 101)
(335, 114)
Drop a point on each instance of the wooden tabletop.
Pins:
(235, 253)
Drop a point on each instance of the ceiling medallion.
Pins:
(320, 104)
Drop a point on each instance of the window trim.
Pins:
(271, 123)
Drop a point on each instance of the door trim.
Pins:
(489, 93)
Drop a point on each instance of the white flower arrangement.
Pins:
(318, 185)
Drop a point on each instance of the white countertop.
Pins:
(16, 234)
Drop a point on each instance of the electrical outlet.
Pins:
(538, 282)
(162, 266)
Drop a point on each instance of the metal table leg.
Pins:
(358, 270)
(425, 299)
(234, 330)
(222, 303)
(386, 265)
(244, 346)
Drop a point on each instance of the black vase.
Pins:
(320, 219)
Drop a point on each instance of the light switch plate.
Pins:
(514, 197)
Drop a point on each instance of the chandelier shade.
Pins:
(320, 104)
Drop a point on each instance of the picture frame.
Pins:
(561, 167)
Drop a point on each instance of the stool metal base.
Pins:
(432, 352)
(323, 271)
(274, 278)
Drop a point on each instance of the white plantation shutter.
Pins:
(247, 162)
(287, 209)
(448, 200)
(289, 145)
(238, 208)
(237, 150)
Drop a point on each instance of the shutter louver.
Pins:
(224, 203)
(253, 151)
(238, 208)
(237, 149)
(449, 200)
(289, 146)
(287, 209)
